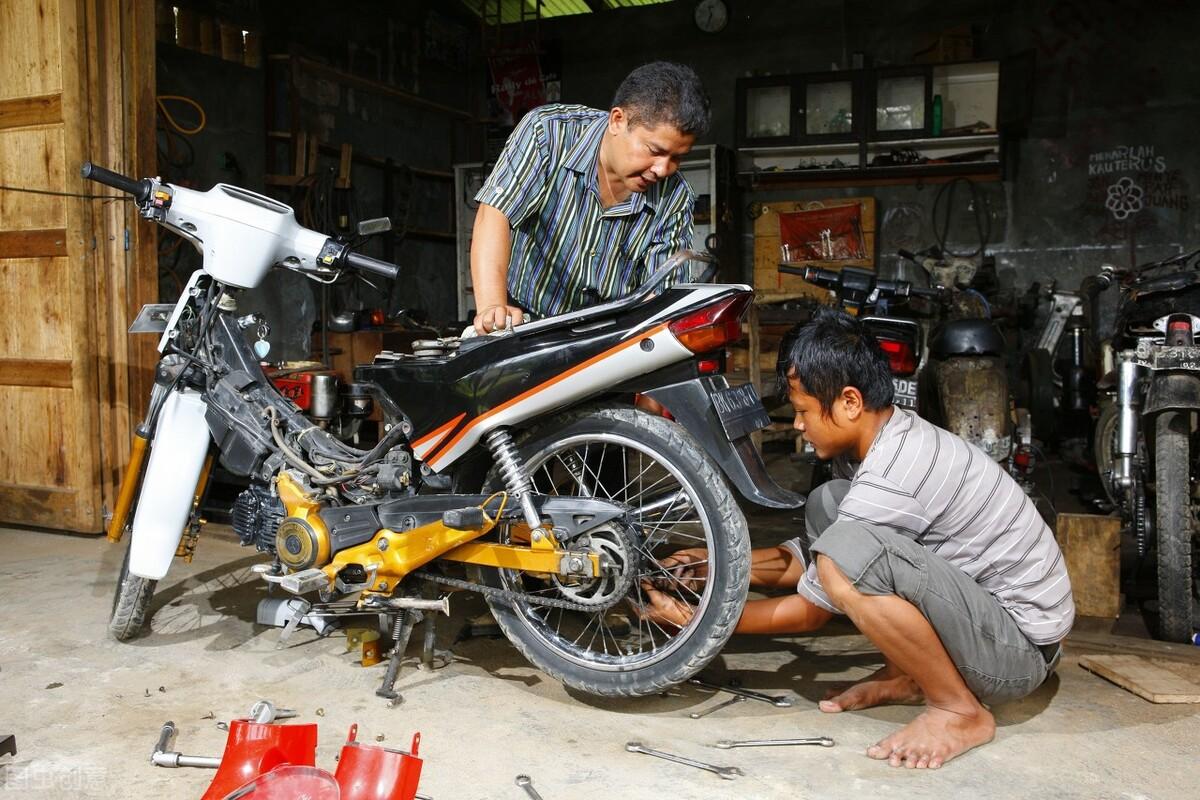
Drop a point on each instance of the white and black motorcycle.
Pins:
(511, 464)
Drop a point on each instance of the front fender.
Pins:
(1170, 391)
(691, 404)
(168, 488)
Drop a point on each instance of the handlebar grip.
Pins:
(921, 291)
(139, 189)
(907, 254)
(373, 265)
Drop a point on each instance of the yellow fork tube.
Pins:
(129, 484)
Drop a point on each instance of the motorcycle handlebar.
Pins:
(139, 189)
(372, 265)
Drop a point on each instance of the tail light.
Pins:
(712, 326)
(902, 359)
(1179, 331)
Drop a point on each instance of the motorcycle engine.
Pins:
(256, 516)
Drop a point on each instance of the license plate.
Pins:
(740, 410)
(904, 392)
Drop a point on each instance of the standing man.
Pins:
(583, 205)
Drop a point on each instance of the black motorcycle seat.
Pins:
(966, 337)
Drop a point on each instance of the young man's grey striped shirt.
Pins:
(928, 484)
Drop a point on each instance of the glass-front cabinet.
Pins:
(799, 109)
(829, 110)
(902, 104)
(913, 120)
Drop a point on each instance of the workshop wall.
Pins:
(1103, 170)
(427, 49)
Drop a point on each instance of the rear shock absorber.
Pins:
(512, 471)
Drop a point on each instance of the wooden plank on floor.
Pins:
(1143, 677)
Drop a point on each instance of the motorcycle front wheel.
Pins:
(131, 599)
(678, 499)
(1173, 504)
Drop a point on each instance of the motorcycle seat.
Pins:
(966, 337)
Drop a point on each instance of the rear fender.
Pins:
(1172, 391)
(691, 404)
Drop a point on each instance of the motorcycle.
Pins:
(951, 372)
(507, 464)
(1145, 439)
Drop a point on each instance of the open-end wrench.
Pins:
(728, 773)
(526, 783)
(737, 698)
(780, 702)
(823, 741)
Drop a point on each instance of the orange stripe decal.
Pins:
(437, 435)
(541, 387)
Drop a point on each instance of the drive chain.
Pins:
(509, 596)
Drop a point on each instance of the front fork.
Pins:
(1125, 451)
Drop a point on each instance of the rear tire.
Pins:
(130, 601)
(643, 660)
(1173, 509)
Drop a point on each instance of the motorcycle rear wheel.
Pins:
(1173, 509)
(130, 601)
(633, 458)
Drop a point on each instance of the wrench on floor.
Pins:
(823, 741)
(779, 702)
(728, 773)
(737, 698)
(526, 783)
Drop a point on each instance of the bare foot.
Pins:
(886, 686)
(935, 737)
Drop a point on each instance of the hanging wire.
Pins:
(65, 194)
(980, 207)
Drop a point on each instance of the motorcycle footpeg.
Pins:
(309, 580)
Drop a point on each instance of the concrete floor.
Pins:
(86, 710)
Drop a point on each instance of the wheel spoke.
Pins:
(665, 514)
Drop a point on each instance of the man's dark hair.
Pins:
(834, 351)
(664, 92)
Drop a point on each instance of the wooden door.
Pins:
(68, 270)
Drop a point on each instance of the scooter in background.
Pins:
(948, 366)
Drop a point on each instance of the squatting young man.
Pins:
(930, 548)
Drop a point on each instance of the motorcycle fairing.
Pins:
(504, 380)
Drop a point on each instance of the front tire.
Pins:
(1173, 509)
(679, 499)
(130, 601)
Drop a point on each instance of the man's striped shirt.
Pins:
(926, 483)
(568, 251)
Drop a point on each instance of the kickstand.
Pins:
(402, 625)
(431, 659)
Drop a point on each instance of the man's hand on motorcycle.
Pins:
(686, 568)
(663, 608)
(498, 318)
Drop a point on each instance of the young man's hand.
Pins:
(688, 568)
(663, 608)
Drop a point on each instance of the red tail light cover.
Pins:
(712, 326)
(902, 360)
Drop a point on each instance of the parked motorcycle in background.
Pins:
(1146, 444)
(947, 359)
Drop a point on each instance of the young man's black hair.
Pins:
(663, 92)
(834, 351)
